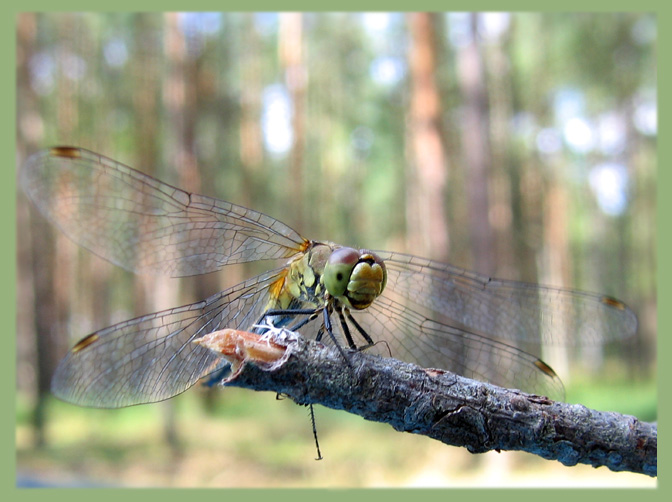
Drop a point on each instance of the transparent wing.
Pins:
(505, 310)
(439, 316)
(152, 358)
(430, 313)
(145, 225)
(411, 336)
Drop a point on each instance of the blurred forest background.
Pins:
(518, 145)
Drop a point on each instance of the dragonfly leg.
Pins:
(365, 335)
(362, 331)
(300, 324)
(346, 330)
(310, 313)
(320, 334)
(327, 325)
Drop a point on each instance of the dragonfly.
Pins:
(417, 310)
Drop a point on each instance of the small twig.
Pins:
(444, 406)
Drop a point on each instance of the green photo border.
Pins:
(7, 213)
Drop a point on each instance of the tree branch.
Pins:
(436, 403)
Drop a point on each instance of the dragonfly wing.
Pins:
(411, 336)
(507, 310)
(152, 357)
(409, 333)
(145, 225)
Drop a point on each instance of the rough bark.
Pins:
(442, 405)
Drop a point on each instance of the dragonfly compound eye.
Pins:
(367, 280)
(338, 270)
(357, 277)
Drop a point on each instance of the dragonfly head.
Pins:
(356, 277)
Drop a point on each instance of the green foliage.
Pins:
(634, 397)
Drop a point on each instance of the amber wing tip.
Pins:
(85, 342)
(65, 151)
(545, 368)
(613, 302)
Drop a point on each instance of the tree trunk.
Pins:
(427, 224)
(291, 58)
(476, 147)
